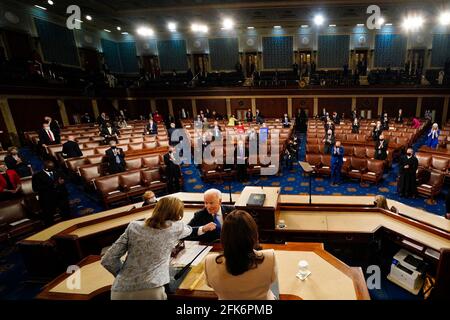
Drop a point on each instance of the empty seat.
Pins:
(432, 186)
(74, 163)
(131, 183)
(90, 172)
(150, 145)
(132, 164)
(314, 160)
(95, 159)
(139, 139)
(109, 189)
(374, 171)
(135, 146)
(163, 143)
(312, 148)
(153, 180)
(92, 144)
(359, 152)
(151, 161)
(439, 164)
(357, 167)
(325, 167)
(370, 152)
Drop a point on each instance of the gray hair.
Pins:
(215, 192)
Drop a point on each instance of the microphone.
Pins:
(180, 273)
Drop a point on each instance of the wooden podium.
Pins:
(264, 215)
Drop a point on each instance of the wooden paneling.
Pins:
(367, 104)
(105, 105)
(240, 104)
(272, 107)
(28, 114)
(436, 104)
(78, 107)
(178, 104)
(163, 107)
(4, 138)
(136, 108)
(219, 105)
(408, 105)
(339, 105)
(303, 103)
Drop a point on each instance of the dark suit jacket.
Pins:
(71, 149)
(45, 139)
(101, 122)
(54, 126)
(172, 169)
(203, 217)
(48, 189)
(381, 154)
(151, 129)
(113, 166)
(105, 133)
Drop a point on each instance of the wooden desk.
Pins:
(330, 278)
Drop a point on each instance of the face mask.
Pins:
(409, 154)
(113, 147)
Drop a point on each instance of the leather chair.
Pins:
(312, 148)
(74, 163)
(359, 152)
(133, 164)
(15, 221)
(83, 140)
(357, 168)
(348, 151)
(137, 140)
(401, 141)
(210, 172)
(314, 160)
(149, 139)
(163, 143)
(432, 186)
(95, 159)
(351, 137)
(424, 165)
(361, 138)
(370, 153)
(101, 149)
(375, 169)
(132, 184)
(124, 141)
(135, 146)
(30, 200)
(439, 164)
(88, 152)
(151, 162)
(150, 144)
(109, 189)
(325, 168)
(90, 172)
(153, 180)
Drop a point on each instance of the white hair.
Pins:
(213, 191)
(435, 125)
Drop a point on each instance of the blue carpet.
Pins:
(293, 182)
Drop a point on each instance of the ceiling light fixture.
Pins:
(172, 26)
(145, 32)
(40, 7)
(319, 20)
(227, 24)
(106, 30)
(50, 2)
(444, 18)
(88, 17)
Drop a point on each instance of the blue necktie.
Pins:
(217, 222)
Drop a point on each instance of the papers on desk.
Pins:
(192, 248)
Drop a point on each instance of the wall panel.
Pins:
(340, 105)
(35, 110)
(408, 105)
(303, 103)
(272, 107)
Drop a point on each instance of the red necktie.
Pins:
(50, 136)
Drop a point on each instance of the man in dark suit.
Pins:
(399, 118)
(249, 115)
(71, 149)
(50, 186)
(173, 171)
(86, 118)
(381, 147)
(377, 131)
(102, 120)
(207, 223)
(47, 136)
(109, 132)
(407, 174)
(151, 127)
(337, 160)
(115, 157)
(286, 121)
(54, 126)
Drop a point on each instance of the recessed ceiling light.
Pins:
(444, 18)
(304, 26)
(277, 27)
(119, 28)
(88, 17)
(199, 28)
(107, 30)
(227, 24)
(50, 2)
(172, 26)
(145, 31)
(319, 19)
(40, 7)
(332, 25)
(250, 28)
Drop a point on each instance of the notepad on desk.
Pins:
(192, 248)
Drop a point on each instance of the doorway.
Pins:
(360, 62)
(414, 65)
(150, 65)
(251, 63)
(304, 62)
(200, 64)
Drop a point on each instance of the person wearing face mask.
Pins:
(329, 125)
(115, 157)
(149, 199)
(433, 137)
(335, 118)
(110, 133)
(337, 160)
(207, 223)
(399, 118)
(173, 171)
(54, 126)
(381, 147)
(151, 128)
(376, 132)
(355, 125)
(407, 174)
(10, 184)
(102, 120)
(47, 137)
(50, 186)
(385, 122)
(15, 162)
(329, 141)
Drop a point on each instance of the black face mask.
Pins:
(113, 147)
(409, 154)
